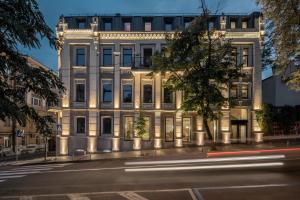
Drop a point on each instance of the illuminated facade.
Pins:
(104, 62)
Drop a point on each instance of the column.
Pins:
(116, 134)
(117, 80)
(178, 120)
(199, 131)
(157, 138)
(157, 84)
(65, 134)
(225, 127)
(65, 73)
(93, 74)
(92, 134)
(137, 90)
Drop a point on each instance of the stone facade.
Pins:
(104, 64)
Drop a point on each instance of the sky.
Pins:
(52, 9)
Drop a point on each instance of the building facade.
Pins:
(30, 134)
(104, 62)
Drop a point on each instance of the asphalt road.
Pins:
(273, 176)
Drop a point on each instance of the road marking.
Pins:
(9, 177)
(77, 197)
(195, 194)
(18, 173)
(244, 158)
(272, 164)
(244, 186)
(132, 196)
(26, 198)
(2, 181)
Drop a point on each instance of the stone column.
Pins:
(65, 72)
(178, 120)
(116, 135)
(157, 138)
(65, 134)
(93, 74)
(117, 80)
(225, 127)
(92, 134)
(137, 90)
(157, 94)
(200, 133)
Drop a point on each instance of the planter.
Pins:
(200, 138)
(137, 143)
(226, 137)
(258, 137)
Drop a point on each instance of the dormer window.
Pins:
(148, 25)
(107, 25)
(168, 24)
(81, 23)
(245, 23)
(127, 26)
(233, 24)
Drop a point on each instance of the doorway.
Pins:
(239, 131)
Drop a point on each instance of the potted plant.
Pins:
(140, 131)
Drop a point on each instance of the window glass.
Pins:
(147, 57)
(168, 27)
(107, 57)
(244, 91)
(128, 128)
(169, 131)
(80, 92)
(147, 93)
(80, 125)
(234, 55)
(245, 57)
(107, 125)
(146, 136)
(186, 129)
(127, 26)
(107, 92)
(127, 57)
(233, 24)
(80, 57)
(107, 26)
(234, 91)
(127, 93)
(147, 26)
(245, 24)
(168, 95)
(81, 24)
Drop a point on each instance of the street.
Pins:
(262, 176)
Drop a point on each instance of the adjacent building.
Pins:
(104, 62)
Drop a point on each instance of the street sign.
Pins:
(20, 133)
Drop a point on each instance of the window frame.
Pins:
(124, 127)
(152, 95)
(127, 84)
(79, 82)
(102, 125)
(165, 129)
(129, 55)
(149, 128)
(80, 54)
(105, 54)
(245, 49)
(148, 26)
(76, 125)
(127, 26)
(106, 82)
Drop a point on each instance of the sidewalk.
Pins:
(172, 153)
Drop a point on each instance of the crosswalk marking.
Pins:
(27, 170)
(77, 197)
(132, 196)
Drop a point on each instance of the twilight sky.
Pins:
(52, 9)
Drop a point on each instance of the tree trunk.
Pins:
(213, 145)
(14, 135)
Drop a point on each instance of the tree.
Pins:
(265, 118)
(140, 125)
(282, 45)
(22, 24)
(200, 62)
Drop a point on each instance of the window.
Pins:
(127, 57)
(107, 26)
(127, 93)
(80, 57)
(107, 92)
(245, 57)
(148, 26)
(234, 91)
(6, 142)
(232, 24)
(234, 56)
(147, 94)
(106, 125)
(107, 57)
(168, 26)
(36, 101)
(146, 136)
(168, 95)
(128, 128)
(80, 92)
(169, 131)
(244, 24)
(80, 123)
(244, 91)
(127, 26)
(81, 23)
(186, 129)
(147, 57)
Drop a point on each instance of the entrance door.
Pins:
(186, 129)
(239, 131)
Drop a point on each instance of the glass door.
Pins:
(239, 131)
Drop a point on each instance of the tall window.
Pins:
(107, 26)
(234, 91)
(80, 57)
(80, 123)
(127, 93)
(244, 92)
(146, 136)
(147, 93)
(169, 131)
(107, 92)
(245, 57)
(234, 55)
(107, 125)
(127, 57)
(147, 26)
(147, 57)
(128, 128)
(127, 26)
(107, 57)
(168, 95)
(80, 92)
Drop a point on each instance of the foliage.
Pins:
(22, 24)
(140, 125)
(282, 45)
(200, 62)
(285, 117)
